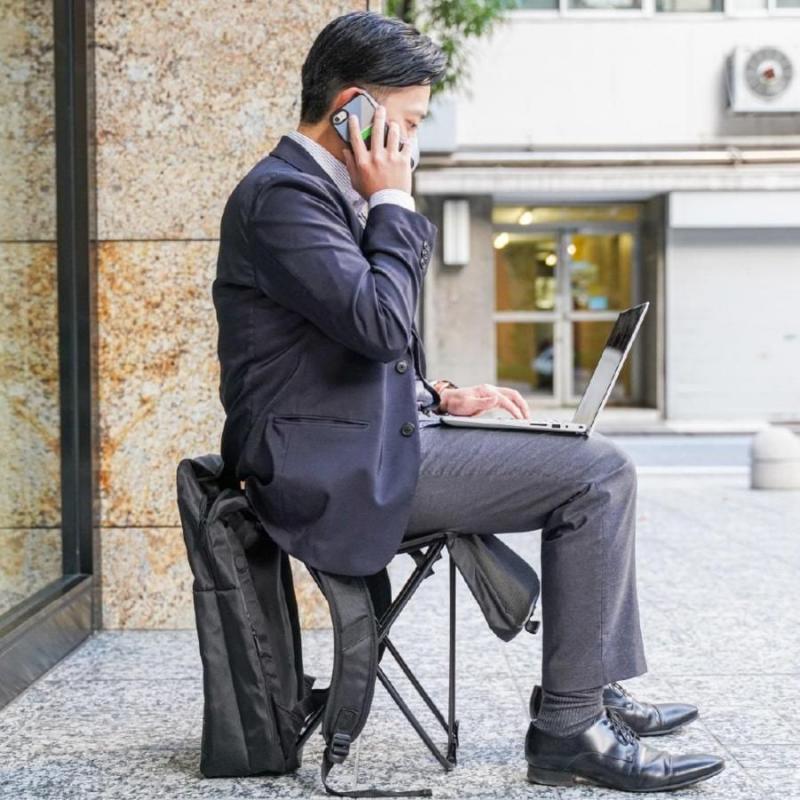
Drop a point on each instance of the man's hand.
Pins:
(467, 401)
(380, 167)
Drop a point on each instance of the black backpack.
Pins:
(257, 698)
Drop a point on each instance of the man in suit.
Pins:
(333, 425)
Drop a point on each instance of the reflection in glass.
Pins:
(600, 271)
(525, 356)
(525, 273)
(588, 341)
(30, 503)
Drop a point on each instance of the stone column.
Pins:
(188, 98)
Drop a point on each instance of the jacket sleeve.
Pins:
(306, 258)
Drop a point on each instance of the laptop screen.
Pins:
(616, 348)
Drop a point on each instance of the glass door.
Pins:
(598, 284)
(560, 282)
(526, 296)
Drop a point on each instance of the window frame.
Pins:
(648, 11)
(49, 623)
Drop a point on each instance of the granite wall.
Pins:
(188, 97)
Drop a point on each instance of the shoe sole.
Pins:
(549, 777)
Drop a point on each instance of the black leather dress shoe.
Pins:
(647, 719)
(609, 753)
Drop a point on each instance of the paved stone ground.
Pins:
(718, 572)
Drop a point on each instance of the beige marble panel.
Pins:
(30, 454)
(30, 558)
(27, 124)
(158, 384)
(147, 582)
(311, 603)
(145, 578)
(189, 97)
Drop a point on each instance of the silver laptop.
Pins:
(594, 398)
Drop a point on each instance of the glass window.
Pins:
(605, 5)
(600, 269)
(525, 271)
(537, 215)
(747, 5)
(525, 356)
(688, 6)
(30, 459)
(787, 3)
(538, 5)
(588, 341)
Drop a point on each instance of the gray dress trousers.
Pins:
(581, 493)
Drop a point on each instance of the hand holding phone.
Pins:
(384, 165)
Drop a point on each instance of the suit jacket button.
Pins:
(401, 366)
(408, 428)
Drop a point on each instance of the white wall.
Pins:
(626, 82)
(733, 324)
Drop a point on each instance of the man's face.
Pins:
(407, 106)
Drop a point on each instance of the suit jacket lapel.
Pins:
(294, 153)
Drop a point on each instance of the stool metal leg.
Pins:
(452, 722)
(395, 695)
(451, 726)
(404, 595)
(384, 624)
(415, 683)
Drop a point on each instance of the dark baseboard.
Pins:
(39, 632)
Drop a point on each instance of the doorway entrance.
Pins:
(562, 274)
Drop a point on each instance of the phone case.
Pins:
(363, 106)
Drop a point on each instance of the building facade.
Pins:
(606, 153)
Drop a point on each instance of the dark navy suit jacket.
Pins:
(318, 354)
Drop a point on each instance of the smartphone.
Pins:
(363, 106)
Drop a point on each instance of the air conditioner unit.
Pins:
(764, 80)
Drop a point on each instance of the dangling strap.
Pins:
(371, 792)
(355, 666)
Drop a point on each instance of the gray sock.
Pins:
(569, 713)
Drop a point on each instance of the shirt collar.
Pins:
(335, 168)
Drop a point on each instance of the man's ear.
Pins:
(344, 96)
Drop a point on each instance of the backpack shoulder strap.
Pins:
(355, 666)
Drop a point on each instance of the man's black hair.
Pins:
(369, 50)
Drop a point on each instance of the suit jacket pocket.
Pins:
(321, 419)
(327, 460)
